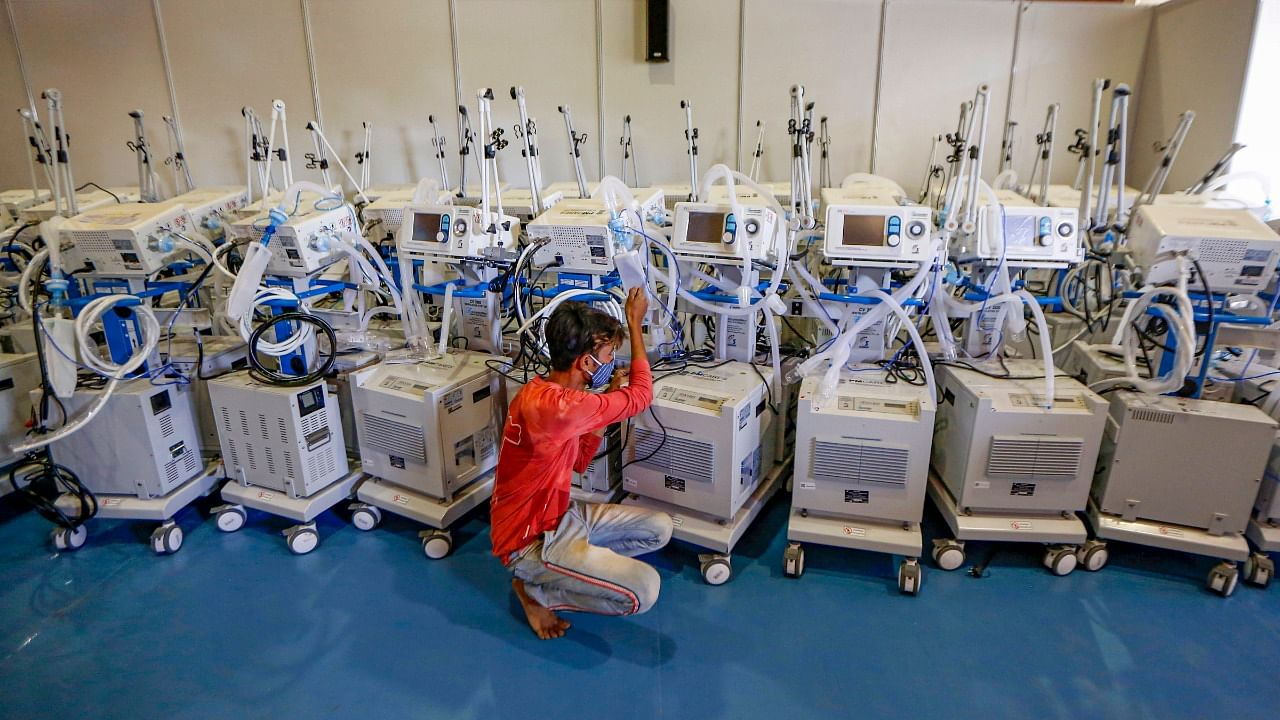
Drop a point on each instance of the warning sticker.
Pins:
(404, 385)
(1037, 400)
(1020, 524)
(486, 444)
(850, 403)
(850, 531)
(453, 401)
(691, 397)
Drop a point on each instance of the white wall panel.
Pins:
(105, 58)
(388, 64)
(13, 95)
(703, 69)
(1196, 60)
(548, 48)
(232, 53)
(828, 46)
(1051, 67)
(936, 53)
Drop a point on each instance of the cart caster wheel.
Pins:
(365, 517)
(302, 539)
(167, 539)
(1061, 559)
(1259, 569)
(1093, 555)
(793, 560)
(716, 569)
(948, 554)
(1223, 578)
(230, 518)
(436, 544)
(909, 576)
(70, 539)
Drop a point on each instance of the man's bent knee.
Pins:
(646, 588)
(662, 529)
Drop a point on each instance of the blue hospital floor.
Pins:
(233, 626)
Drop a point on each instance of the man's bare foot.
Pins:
(545, 623)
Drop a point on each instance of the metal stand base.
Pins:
(439, 514)
(1265, 535)
(302, 510)
(712, 533)
(856, 534)
(1169, 537)
(1002, 527)
(130, 507)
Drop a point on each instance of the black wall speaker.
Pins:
(657, 46)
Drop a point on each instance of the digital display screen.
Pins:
(310, 401)
(706, 227)
(863, 230)
(426, 226)
(1020, 230)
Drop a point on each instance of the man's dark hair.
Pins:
(576, 328)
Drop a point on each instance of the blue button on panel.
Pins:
(1045, 226)
(730, 224)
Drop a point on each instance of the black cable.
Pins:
(265, 374)
(96, 185)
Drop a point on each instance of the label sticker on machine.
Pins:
(854, 531)
(403, 384)
(453, 401)
(1020, 524)
(400, 499)
(1037, 400)
(112, 502)
(849, 403)
(673, 483)
(807, 485)
(177, 449)
(1022, 489)
(486, 444)
(743, 416)
(857, 496)
(690, 397)
(630, 482)
(396, 461)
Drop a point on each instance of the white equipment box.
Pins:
(1027, 233)
(1193, 463)
(707, 442)
(85, 201)
(781, 192)
(865, 452)
(518, 202)
(453, 232)
(303, 245)
(997, 448)
(136, 239)
(604, 473)
(384, 215)
(1237, 251)
(570, 189)
(143, 443)
(577, 233)
(287, 439)
(431, 426)
(15, 201)
(212, 207)
(868, 225)
(710, 232)
(217, 355)
(19, 375)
